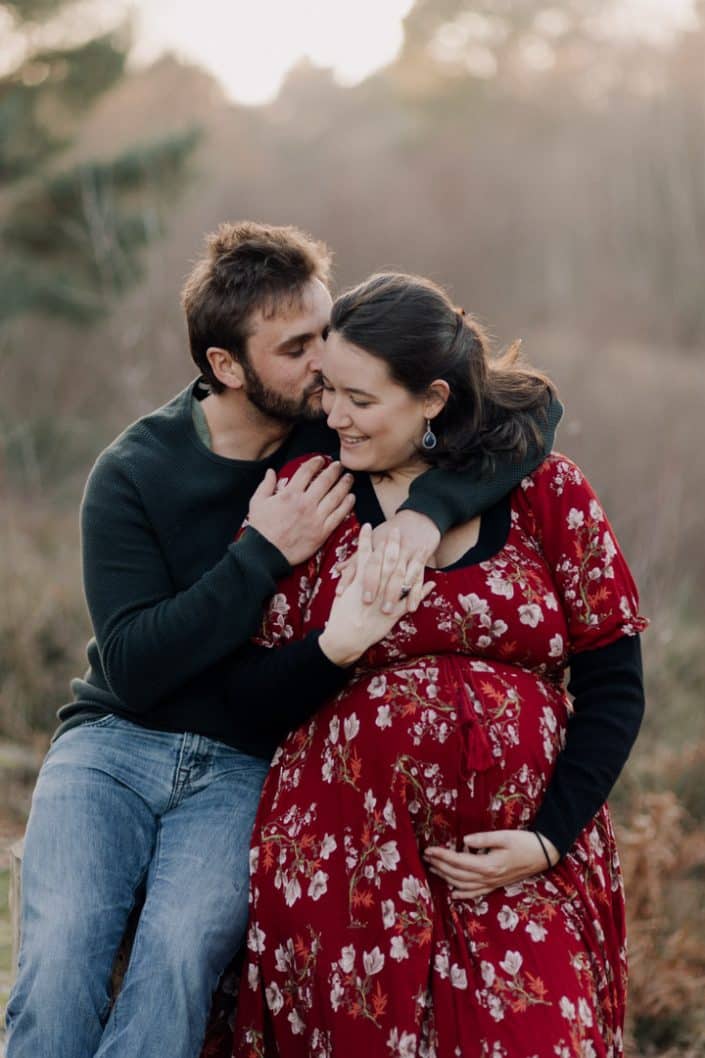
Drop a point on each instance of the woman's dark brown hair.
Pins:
(411, 324)
(245, 267)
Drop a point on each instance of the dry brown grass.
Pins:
(663, 856)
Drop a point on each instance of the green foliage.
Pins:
(72, 238)
(77, 236)
(39, 99)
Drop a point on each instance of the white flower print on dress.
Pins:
(584, 1012)
(274, 997)
(536, 931)
(530, 614)
(512, 962)
(567, 1008)
(351, 727)
(389, 855)
(377, 686)
(398, 949)
(410, 889)
(373, 961)
(508, 918)
(256, 938)
(555, 646)
(384, 717)
(328, 846)
(403, 1046)
(498, 585)
(318, 885)
(575, 518)
(292, 892)
(441, 963)
(388, 914)
(347, 958)
(296, 1022)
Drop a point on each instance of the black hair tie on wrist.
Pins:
(543, 848)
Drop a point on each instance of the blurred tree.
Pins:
(71, 235)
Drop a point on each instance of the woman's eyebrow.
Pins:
(349, 389)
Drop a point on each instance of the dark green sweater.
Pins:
(172, 597)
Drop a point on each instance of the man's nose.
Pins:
(316, 354)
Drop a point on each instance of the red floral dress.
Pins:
(451, 724)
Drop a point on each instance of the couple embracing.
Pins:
(337, 585)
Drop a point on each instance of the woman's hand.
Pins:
(499, 858)
(355, 625)
(418, 539)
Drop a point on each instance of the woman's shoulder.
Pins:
(555, 474)
(556, 491)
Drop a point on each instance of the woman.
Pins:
(433, 867)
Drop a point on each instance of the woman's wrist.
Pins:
(549, 850)
(336, 652)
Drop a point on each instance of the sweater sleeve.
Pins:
(151, 637)
(451, 497)
(608, 702)
(278, 690)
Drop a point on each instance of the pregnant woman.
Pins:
(434, 871)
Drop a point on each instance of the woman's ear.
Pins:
(226, 368)
(436, 398)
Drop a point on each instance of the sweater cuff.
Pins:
(253, 549)
(550, 821)
(334, 676)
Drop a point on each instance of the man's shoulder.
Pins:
(146, 440)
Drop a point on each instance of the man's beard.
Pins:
(277, 406)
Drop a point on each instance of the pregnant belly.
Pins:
(466, 744)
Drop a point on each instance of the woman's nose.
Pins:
(337, 416)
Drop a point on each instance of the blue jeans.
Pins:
(119, 808)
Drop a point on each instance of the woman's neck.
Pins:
(392, 486)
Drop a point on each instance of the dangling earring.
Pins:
(429, 439)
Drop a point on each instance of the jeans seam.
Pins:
(180, 774)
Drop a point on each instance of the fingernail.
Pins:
(368, 596)
(387, 608)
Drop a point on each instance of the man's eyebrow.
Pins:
(295, 339)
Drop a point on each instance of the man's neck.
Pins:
(238, 430)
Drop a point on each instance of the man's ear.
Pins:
(226, 367)
(436, 398)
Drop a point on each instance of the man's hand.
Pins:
(300, 517)
(419, 539)
(499, 858)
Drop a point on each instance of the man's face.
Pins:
(283, 363)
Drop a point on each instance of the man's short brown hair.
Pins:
(245, 267)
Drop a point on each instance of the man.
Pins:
(153, 777)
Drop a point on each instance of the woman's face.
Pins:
(379, 423)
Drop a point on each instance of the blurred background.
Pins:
(545, 162)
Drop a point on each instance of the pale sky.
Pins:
(250, 44)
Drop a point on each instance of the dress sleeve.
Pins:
(596, 588)
(451, 497)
